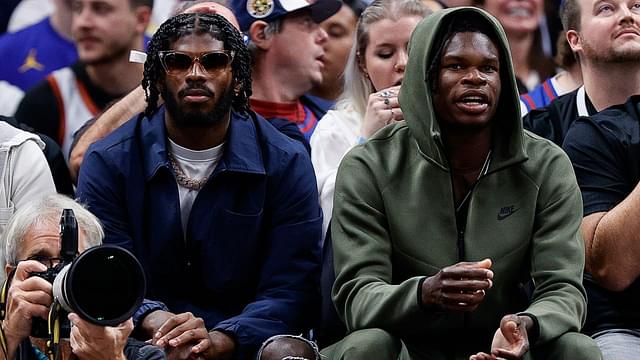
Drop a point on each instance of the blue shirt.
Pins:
(249, 265)
(322, 105)
(541, 96)
(28, 55)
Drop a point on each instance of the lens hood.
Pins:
(105, 285)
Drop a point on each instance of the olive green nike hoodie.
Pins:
(394, 221)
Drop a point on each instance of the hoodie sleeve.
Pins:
(364, 293)
(557, 253)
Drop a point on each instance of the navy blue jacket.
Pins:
(249, 265)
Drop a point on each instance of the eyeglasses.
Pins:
(47, 261)
(177, 63)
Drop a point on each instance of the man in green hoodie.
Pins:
(457, 232)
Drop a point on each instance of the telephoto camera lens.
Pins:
(105, 285)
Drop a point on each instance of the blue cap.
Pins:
(248, 11)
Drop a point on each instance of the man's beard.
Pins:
(198, 119)
(112, 54)
(613, 56)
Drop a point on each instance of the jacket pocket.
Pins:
(231, 255)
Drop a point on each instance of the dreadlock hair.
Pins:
(188, 24)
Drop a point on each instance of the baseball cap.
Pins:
(248, 11)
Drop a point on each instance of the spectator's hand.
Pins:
(510, 341)
(209, 8)
(89, 341)
(382, 109)
(179, 330)
(483, 356)
(184, 336)
(28, 296)
(150, 326)
(153, 321)
(221, 347)
(459, 287)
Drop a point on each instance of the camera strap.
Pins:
(3, 342)
(53, 341)
(4, 292)
(3, 310)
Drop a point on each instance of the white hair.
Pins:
(357, 86)
(47, 211)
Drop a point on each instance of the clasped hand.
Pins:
(184, 336)
(459, 287)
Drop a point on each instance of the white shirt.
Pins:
(197, 165)
(337, 132)
(10, 97)
(29, 12)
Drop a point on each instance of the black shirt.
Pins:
(605, 152)
(553, 121)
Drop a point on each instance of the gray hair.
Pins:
(47, 211)
(357, 87)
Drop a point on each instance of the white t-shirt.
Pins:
(197, 165)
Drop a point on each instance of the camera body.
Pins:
(49, 274)
(39, 326)
(104, 285)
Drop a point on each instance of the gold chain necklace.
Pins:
(182, 179)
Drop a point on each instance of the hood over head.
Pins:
(416, 98)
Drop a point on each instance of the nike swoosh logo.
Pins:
(505, 214)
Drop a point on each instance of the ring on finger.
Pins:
(385, 94)
(386, 101)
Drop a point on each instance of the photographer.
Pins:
(32, 240)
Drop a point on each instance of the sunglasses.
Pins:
(178, 63)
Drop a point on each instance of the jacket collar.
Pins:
(241, 154)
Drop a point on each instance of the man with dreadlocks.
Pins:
(219, 206)
(134, 102)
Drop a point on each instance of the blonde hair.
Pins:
(357, 86)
